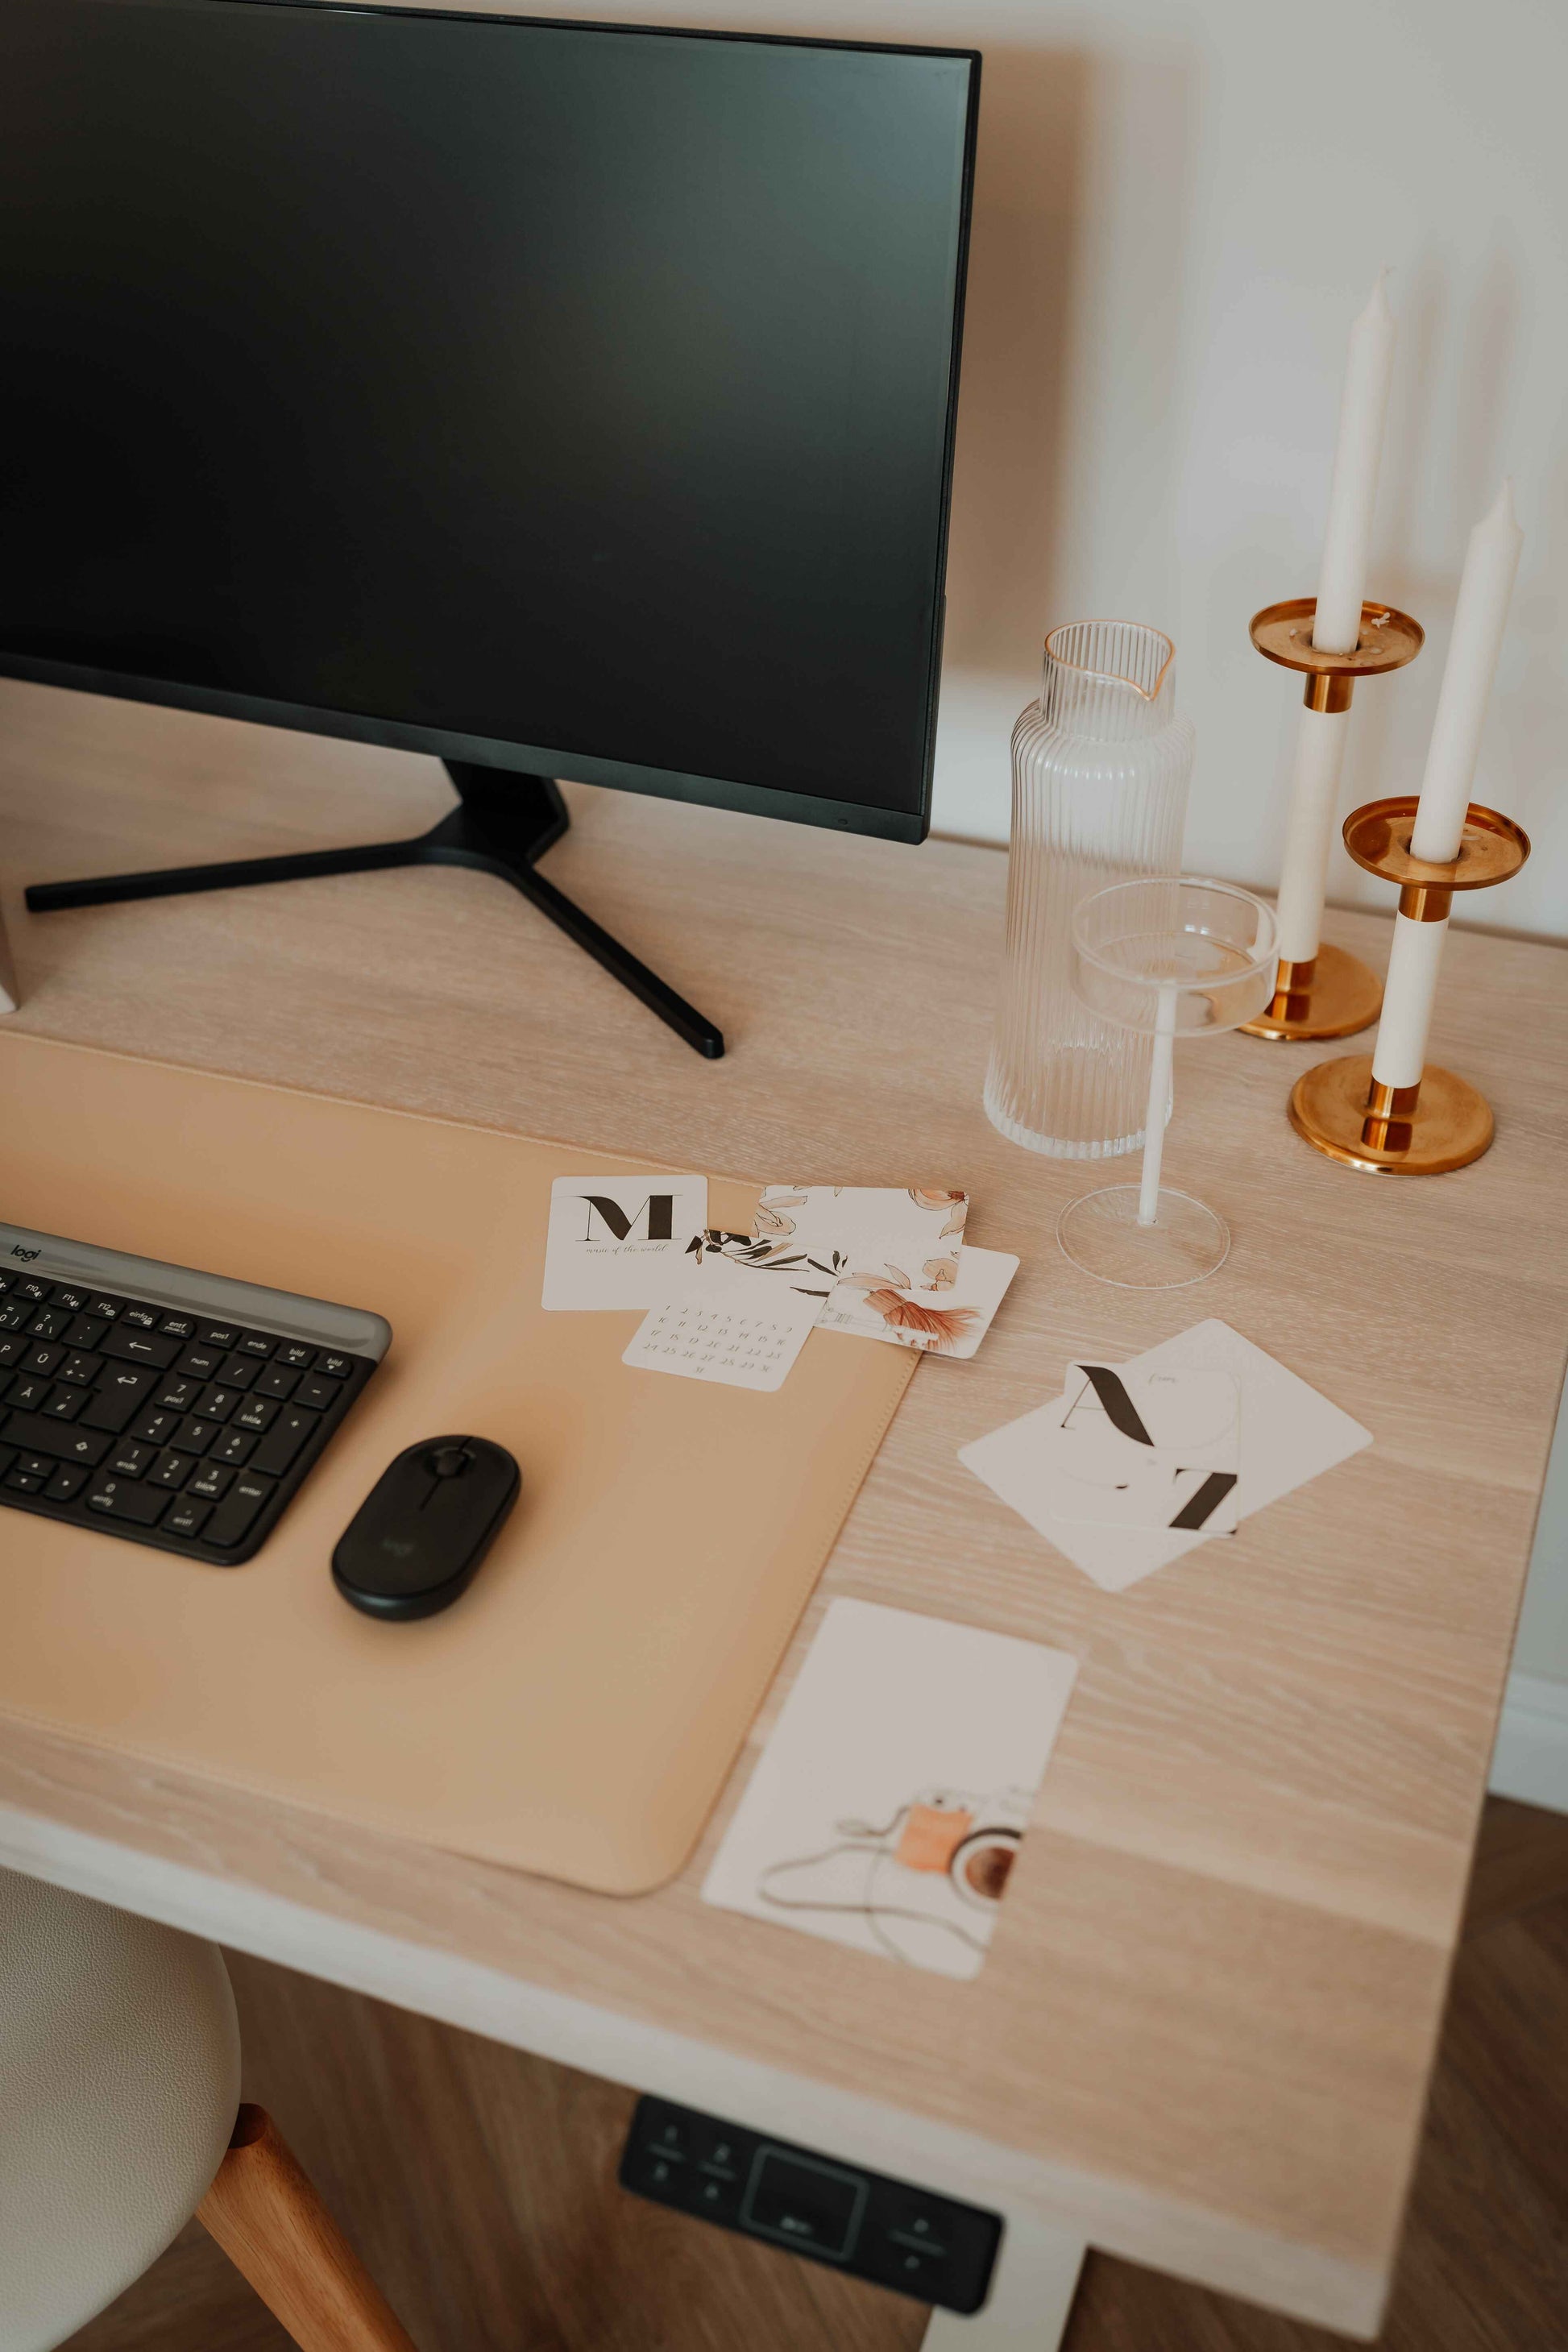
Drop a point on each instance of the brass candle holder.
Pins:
(1330, 994)
(1442, 1121)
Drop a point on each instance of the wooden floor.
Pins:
(479, 2184)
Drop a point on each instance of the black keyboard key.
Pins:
(186, 1519)
(237, 1371)
(276, 1380)
(86, 1332)
(236, 1445)
(61, 1441)
(215, 1403)
(318, 1394)
(7, 1456)
(23, 1481)
(128, 1499)
(29, 1391)
(296, 1355)
(257, 1343)
(103, 1307)
(33, 1287)
(254, 1412)
(337, 1368)
(64, 1403)
(283, 1440)
(13, 1347)
(156, 1426)
(232, 1520)
(200, 1360)
(118, 1395)
(64, 1483)
(37, 1466)
(49, 1323)
(43, 1356)
(171, 1469)
(219, 1335)
(14, 1315)
(137, 1347)
(212, 1482)
(6, 1281)
(82, 1367)
(194, 1436)
(143, 1318)
(130, 1457)
(65, 1294)
(179, 1393)
(178, 1327)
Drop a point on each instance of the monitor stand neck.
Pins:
(501, 825)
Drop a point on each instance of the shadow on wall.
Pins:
(1067, 460)
(1017, 327)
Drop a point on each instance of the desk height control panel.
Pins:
(904, 2237)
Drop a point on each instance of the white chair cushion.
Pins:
(119, 2086)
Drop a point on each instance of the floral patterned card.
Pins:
(864, 1240)
(952, 1321)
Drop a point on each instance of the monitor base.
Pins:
(501, 825)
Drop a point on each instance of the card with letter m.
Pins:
(614, 1240)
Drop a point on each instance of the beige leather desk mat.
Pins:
(577, 1711)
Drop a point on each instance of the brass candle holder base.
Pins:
(1442, 1122)
(1449, 1124)
(1330, 994)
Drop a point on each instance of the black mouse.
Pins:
(417, 1539)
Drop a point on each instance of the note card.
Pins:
(725, 1318)
(614, 1240)
(888, 1806)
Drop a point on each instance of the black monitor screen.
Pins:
(486, 384)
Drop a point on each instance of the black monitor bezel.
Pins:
(484, 750)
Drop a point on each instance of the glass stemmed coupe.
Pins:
(1166, 959)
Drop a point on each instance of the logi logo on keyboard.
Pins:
(17, 1251)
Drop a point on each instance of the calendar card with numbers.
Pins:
(725, 1318)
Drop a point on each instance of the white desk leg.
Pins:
(1031, 2296)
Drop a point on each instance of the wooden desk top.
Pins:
(1210, 2010)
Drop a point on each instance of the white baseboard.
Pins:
(1531, 1760)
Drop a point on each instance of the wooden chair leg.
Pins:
(277, 2233)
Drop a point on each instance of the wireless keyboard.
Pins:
(175, 1408)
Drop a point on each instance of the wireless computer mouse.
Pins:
(417, 1539)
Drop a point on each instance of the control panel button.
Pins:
(804, 2202)
(904, 2237)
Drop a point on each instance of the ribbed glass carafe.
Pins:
(1100, 769)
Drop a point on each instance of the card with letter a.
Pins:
(615, 1241)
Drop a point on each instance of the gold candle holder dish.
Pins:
(1442, 1122)
(1330, 994)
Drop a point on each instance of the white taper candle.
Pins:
(1336, 626)
(1409, 993)
(1309, 835)
(1352, 486)
(1492, 560)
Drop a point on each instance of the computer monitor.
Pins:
(562, 399)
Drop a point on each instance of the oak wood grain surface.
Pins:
(1213, 2002)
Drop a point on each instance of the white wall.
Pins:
(1179, 210)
